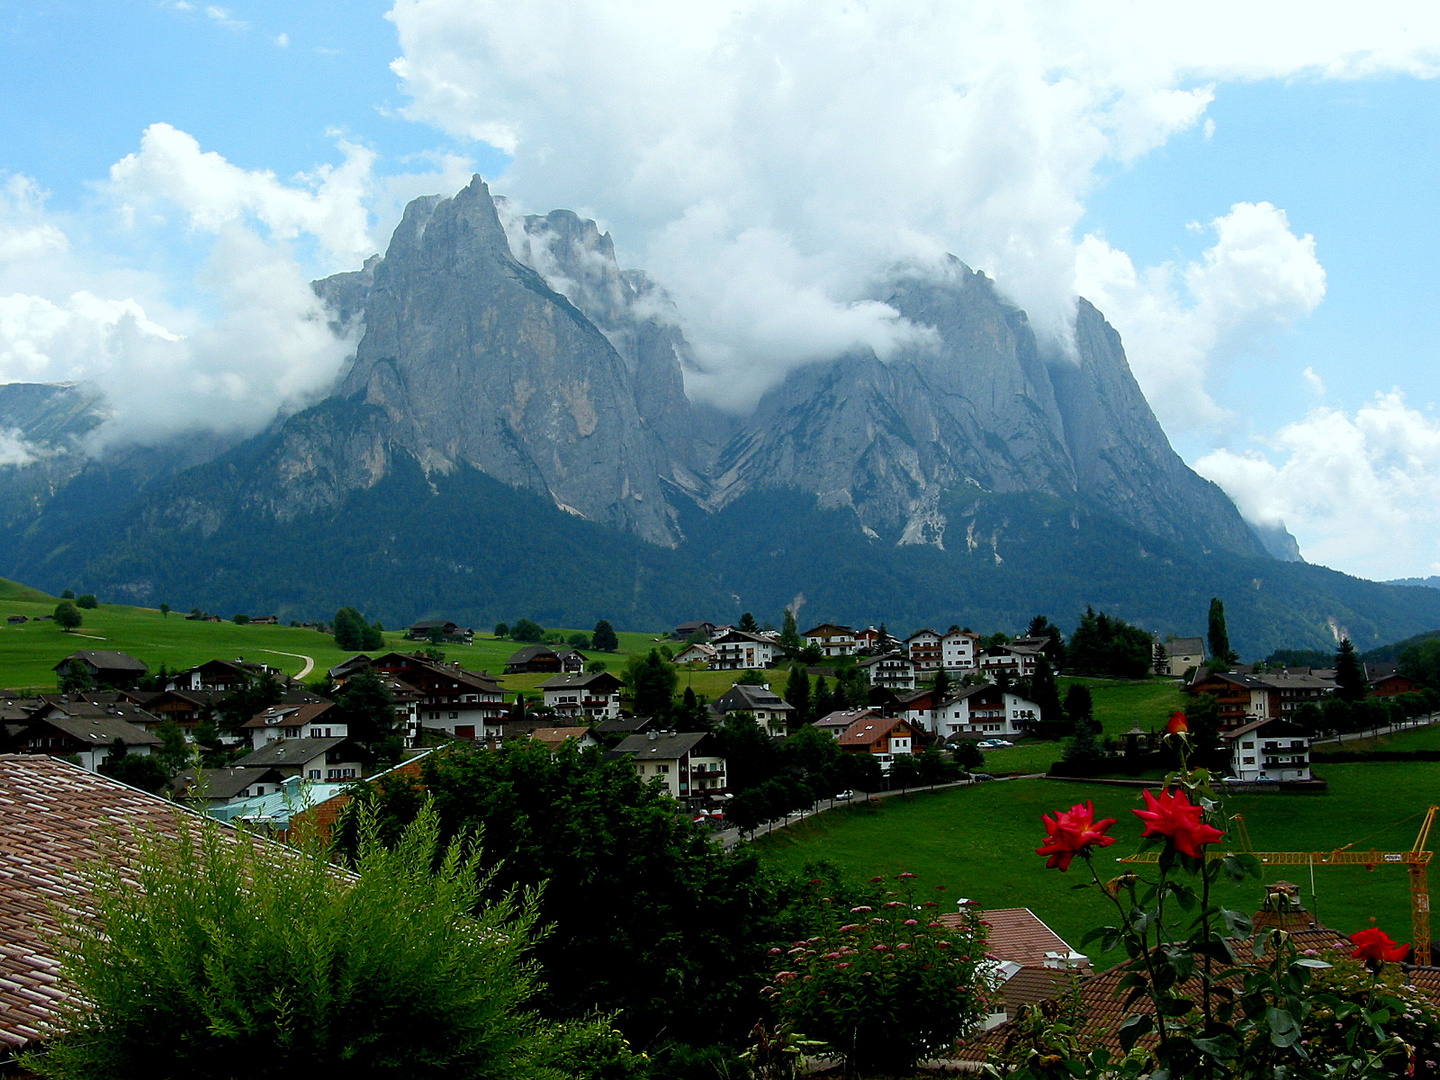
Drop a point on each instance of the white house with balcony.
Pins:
(1268, 750)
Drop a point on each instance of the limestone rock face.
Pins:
(469, 356)
(517, 347)
(977, 408)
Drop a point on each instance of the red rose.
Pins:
(1173, 816)
(1073, 832)
(1178, 725)
(1375, 947)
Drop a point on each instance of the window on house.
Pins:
(662, 768)
(313, 774)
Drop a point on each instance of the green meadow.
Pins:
(979, 843)
(30, 651)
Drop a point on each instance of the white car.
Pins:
(994, 744)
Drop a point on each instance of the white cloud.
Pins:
(1358, 491)
(223, 331)
(170, 170)
(282, 40)
(850, 136)
(222, 16)
(1178, 321)
(24, 231)
(14, 450)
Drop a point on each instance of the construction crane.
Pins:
(1416, 860)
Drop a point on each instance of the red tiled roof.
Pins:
(1018, 935)
(51, 815)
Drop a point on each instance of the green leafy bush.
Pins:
(213, 949)
(885, 985)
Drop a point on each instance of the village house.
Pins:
(1182, 655)
(697, 653)
(687, 763)
(462, 704)
(1243, 698)
(440, 629)
(83, 732)
(894, 670)
(333, 759)
(216, 787)
(831, 639)
(1029, 961)
(314, 720)
(1015, 661)
(593, 696)
(923, 648)
(736, 650)
(102, 668)
(687, 630)
(555, 737)
(983, 711)
(836, 724)
(542, 659)
(185, 707)
(880, 735)
(1268, 750)
(1385, 680)
(223, 676)
(772, 712)
(958, 649)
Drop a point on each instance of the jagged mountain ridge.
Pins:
(515, 349)
(981, 408)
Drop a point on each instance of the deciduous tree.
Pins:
(67, 616)
(603, 637)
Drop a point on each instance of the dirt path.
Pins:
(309, 661)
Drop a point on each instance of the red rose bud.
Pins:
(1178, 725)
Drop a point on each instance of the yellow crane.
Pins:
(1416, 860)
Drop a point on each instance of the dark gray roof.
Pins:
(743, 697)
(221, 784)
(106, 660)
(288, 752)
(529, 653)
(100, 728)
(578, 681)
(662, 745)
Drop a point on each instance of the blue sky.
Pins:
(1250, 198)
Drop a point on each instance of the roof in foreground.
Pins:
(51, 817)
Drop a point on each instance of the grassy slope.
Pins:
(29, 652)
(979, 842)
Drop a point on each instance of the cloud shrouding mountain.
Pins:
(249, 339)
(765, 160)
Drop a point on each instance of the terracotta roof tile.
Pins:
(51, 814)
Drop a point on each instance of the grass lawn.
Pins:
(1119, 703)
(1026, 756)
(979, 842)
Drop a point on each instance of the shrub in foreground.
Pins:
(217, 955)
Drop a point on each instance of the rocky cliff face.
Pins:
(517, 348)
(978, 409)
(468, 356)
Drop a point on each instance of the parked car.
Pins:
(994, 744)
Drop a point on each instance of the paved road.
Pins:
(309, 661)
(730, 837)
(1370, 733)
